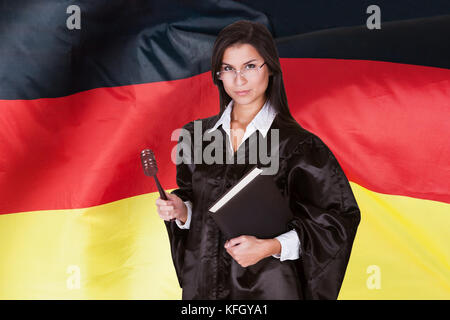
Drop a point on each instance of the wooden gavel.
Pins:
(150, 169)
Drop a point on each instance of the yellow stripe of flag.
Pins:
(121, 251)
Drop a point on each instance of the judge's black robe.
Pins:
(326, 217)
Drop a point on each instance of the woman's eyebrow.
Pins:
(244, 63)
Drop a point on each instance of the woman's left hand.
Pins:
(248, 250)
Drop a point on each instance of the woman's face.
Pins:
(241, 57)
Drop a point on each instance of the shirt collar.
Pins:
(261, 122)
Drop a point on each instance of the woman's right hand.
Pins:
(173, 208)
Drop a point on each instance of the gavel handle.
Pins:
(162, 193)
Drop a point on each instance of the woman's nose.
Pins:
(240, 78)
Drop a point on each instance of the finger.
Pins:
(161, 202)
(163, 212)
(167, 216)
(173, 214)
(163, 216)
(166, 208)
(235, 241)
(235, 251)
(171, 196)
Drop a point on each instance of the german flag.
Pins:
(86, 85)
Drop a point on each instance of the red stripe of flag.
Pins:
(385, 122)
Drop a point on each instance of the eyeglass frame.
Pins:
(236, 72)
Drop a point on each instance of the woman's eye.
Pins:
(251, 66)
(227, 68)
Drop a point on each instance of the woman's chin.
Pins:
(243, 99)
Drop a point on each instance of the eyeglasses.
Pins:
(248, 73)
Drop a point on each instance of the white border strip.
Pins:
(238, 187)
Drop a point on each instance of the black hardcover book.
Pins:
(254, 206)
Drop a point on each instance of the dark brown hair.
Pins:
(257, 35)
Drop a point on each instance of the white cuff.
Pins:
(290, 246)
(188, 220)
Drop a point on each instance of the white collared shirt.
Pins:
(261, 122)
(290, 243)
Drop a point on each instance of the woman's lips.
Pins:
(242, 93)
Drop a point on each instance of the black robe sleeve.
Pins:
(326, 217)
(177, 236)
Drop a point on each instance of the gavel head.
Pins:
(149, 162)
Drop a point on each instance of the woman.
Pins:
(308, 261)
